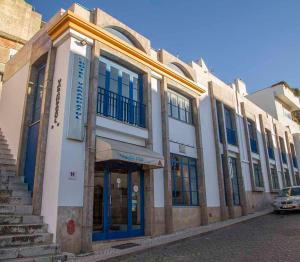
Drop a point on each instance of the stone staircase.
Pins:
(23, 236)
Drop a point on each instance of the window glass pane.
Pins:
(102, 74)
(125, 84)
(135, 89)
(186, 191)
(114, 74)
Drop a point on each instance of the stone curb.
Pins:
(107, 252)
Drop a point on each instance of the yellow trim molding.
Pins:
(69, 20)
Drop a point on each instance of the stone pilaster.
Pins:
(90, 153)
(218, 153)
(280, 159)
(169, 228)
(200, 162)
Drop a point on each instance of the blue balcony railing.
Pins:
(231, 136)
(284, 158)
(295, 164)
(121, 108)
(253, 144)
(271, 153)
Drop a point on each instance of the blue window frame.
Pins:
(184, 181)
(219, 114)
(269, 144)
(120, 93)
(258, 178)
(232, 164)
(230, 126)
(283, 152)
(252, 136)
(179, 107)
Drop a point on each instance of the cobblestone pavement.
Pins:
(267, 238)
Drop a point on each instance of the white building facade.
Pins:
(116, 139)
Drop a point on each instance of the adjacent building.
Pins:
(18, 23)
(116, 139)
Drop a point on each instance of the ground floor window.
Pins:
(274, 178)
(232, 166)
(297, 178)
(184, 181)
(287, 178)
(258, 178)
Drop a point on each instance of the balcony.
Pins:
(121, 108)
(284, 158)
(284, 94)
(231, 136)
(271, 153)
(253, 145)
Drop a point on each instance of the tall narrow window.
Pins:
(120, 94)
(269, 144)
(184, 181)
(293, 153)
(283, 151)
(219, 115)
(230, 126)
(252, 136)
(232, 162)
(287, 178)
(258, 178)
(179, 107)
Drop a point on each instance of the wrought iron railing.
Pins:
(119, 107)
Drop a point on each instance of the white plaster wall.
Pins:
(12, 106)
(54, 141)
(63, 155)
(116, 130)
(209, 153)
(182, 133)
(157, 142)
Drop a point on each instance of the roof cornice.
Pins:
(69, 20)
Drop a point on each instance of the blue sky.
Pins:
(257, 41)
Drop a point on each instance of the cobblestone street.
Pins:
(267, 238)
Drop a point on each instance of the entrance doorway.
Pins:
(118, 204)
(33, 128)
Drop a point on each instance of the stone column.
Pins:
(43, 133)
(200, 162)
(279, 152)
(290, 157)
(263, 134)
(169, 228)
(90, 152)
(218, 153)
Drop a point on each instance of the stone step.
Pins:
(7, 167)
(28, 252)
(6, 155)
(5, 150)
(14, 186)
(15, 200)
(26, 239)
(14, 193)
(47, 258)
(16, 209)
(20, 219)
(10, 178)
(7, 161)
(23, 229)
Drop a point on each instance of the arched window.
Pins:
(120, 35)
(179, 69)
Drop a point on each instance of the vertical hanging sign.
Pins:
(78, 97)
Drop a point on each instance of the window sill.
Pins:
(121, 122)
(179, 206)
(258, 189)
(190, 124)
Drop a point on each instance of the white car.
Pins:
(287, 199)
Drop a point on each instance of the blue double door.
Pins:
(118, 204)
